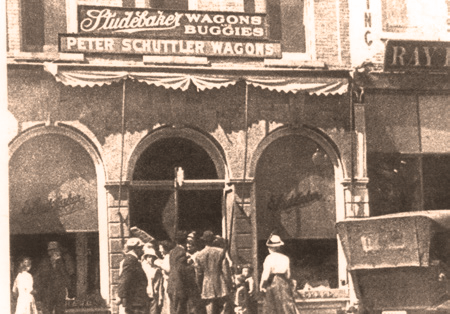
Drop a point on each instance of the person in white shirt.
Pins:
(275, 280)
(154, 278)
(23, 289)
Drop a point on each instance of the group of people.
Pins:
(54, 279)
(193, 275)
(190, 275)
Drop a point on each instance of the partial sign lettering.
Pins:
(404, 55)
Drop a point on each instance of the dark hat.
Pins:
(180, 236)
(208, 236)
(274, 241)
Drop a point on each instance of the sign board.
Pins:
(170, 23)
(81, 43)
(403, 55)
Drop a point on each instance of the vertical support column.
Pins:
(82, 263)
(356, 192)
(71, 16)
(118, 225)
(243, 224)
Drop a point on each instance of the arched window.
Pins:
(296, 198)
(53, 196)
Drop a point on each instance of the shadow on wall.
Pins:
(99, 108)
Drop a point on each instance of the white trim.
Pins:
(71, 16)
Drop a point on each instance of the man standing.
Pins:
(53, 279)
(178, 285)
(132, 289)
(213, 276)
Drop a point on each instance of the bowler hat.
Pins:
(208, 236)
(134, 243)
(274, 241)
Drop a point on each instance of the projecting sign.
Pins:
(401, 55)
(174, 47)
(170, 23)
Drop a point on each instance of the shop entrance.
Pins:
(176, 187)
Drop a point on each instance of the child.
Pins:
(250, 285)
(23, 289)
(241, 297)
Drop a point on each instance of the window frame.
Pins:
(310, 51)
(416, 34)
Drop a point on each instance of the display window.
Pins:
(53, 198)
(295, 198)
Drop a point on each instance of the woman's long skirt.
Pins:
(279, 298)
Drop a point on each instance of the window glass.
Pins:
(42, 21)
(295, 198)
(286, 23)
(417, 16)
(33, 25)
(399, 183)
(436, 182)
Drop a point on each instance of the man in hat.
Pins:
(213, 275)
(132, 289)
(178, 286)
(53, 279)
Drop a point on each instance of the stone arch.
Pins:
(321, 139)
(88, 145)
(209, 145)
(330, 148)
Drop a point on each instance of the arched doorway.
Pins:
(298, 196)
(54, 196)
(177, 185)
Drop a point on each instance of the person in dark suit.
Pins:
(178, 284)
(213, 276)
(53, 279)
(132, 289)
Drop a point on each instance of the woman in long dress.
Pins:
(23, 289)
(165, 247)
(275, 280)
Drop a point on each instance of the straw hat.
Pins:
(274, 241)
(53, 245)
(134, 243)
(149, 251)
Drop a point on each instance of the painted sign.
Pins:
(164, 46)
(170, 23)
(388, 240)
(401, 55)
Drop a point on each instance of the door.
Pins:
(176, 187)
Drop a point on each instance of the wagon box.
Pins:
(399, 262)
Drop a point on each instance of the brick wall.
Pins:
(329, 35)
(13, 25)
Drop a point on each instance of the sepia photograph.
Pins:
(225, 157)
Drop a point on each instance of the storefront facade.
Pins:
(402, 85)
(244, 142)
